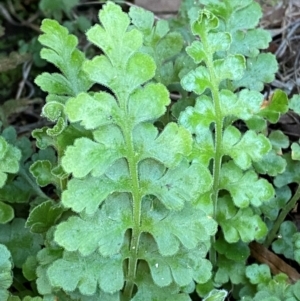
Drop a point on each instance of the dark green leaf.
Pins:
(20, 242)
(42, 217)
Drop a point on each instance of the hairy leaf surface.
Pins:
(244, 149)
(6, 278)
(182, 268)
(87, 273)
(239, 223)
(245, 187)
(188, 227)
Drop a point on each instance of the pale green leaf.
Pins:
(9, 162)
(247, 17)
(3, 147)
(202, 114)
(45, 258)
(197, 80)
(295, 151)
(232, 67)
(181, 268)
(168, 148)
(61, 48)
(149, 291)
(173, 188)
(239, 224)
(97, 158)
(278, 286)
(6, 278)
(294, 103)
(249, 43)
(3, 178)
(162, 28)
(6, 213)
(160, 43)
(88, 193)
(205, 23)
(114, 37)
(262, 296)
(135, 75)
(243, 105)
(121, 81)
(196, 52)
(272, 164)
(154, 97)
(244, 149)
(101, 109)
(53, 110)
(112, 137)
(95, 111)
(245, 187)
(28, 298)
(296, 289)
(56, 38)
(87, 273)
(188, 227)
(259, 70)
(258, 273)
(226, 9)
(219, 41)
(112, 220)
(142, 19)
(203, 150)
(54, 83)
(128, 69)
(98, 295)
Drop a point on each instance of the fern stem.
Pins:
(284, 212)
(218, 138)
(136, 211)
